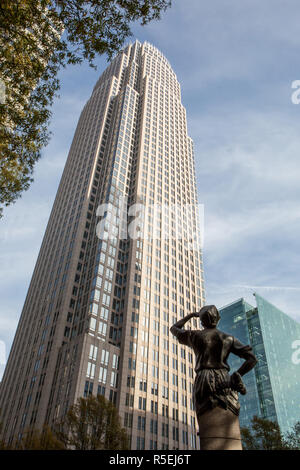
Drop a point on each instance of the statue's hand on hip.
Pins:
(237, 384)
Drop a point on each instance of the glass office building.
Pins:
(273, 385)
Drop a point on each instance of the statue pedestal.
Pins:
(219, 429)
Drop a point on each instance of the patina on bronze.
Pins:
(215, 392)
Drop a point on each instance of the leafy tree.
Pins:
(263, 435)
(92, 423)
(37, 38)
(292, 438)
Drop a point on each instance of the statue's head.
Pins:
(209, 316)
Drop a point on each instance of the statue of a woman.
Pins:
(215, 391)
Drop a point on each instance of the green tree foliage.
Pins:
(266, 435)
(92, 423)
(37, 38)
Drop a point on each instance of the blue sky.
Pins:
(235, 62)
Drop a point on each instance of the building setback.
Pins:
(98, 310)
(273, 385)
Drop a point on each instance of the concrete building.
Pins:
(273, 385)
(105, 291)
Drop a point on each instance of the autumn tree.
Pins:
(3, 445)
(37, 38)
(92, 423)
(35, 439)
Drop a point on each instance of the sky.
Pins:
(236, 62)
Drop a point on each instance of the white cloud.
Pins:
(233, 228)
(262, 142)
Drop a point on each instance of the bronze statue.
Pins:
(215, 392)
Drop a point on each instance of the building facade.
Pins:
(119, 263)
(273, 385)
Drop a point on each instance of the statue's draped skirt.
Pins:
(211, 389)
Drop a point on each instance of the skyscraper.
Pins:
(119, 262)
(273, 385)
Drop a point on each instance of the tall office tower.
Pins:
(273, 385)
(105, 291)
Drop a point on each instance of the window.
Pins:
(104, 313)
(93, 352)
(106, 299)
(154, 407)
(165, 430)
(141, 423)
(115, 362)
(88, 389)
(92, 324)
(140, 443)
(109, 274)
(94, 308)
(90, 370)
(101, 390)
(142, 403)
(95, 295)
(114, 379)
(102, 375)
(153, 426)
(104, 357)
(107, 288)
